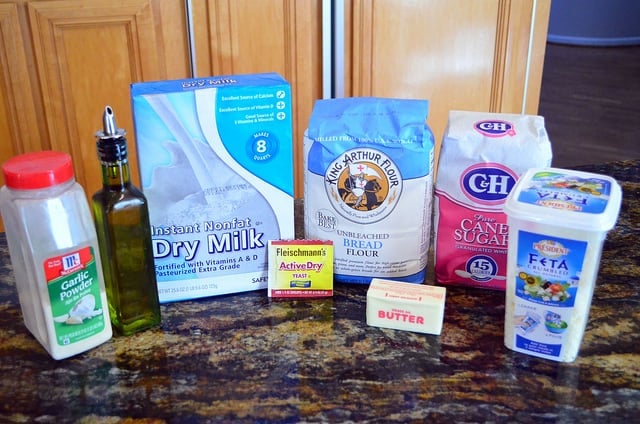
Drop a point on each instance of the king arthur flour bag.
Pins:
(482, 156)
(369, 186)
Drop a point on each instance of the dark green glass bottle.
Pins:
(124, 234)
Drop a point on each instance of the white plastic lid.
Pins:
(565, 198)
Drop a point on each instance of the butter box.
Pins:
(300, 268)
(405, 306)
(216, 166)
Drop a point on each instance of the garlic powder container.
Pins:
(54, 253)
(558, 220)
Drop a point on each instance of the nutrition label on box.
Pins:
(255, 108)
(264, 107)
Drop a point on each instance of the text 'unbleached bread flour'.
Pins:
(482, 156)
(369, 186)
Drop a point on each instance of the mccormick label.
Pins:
(300, 268)
(74, 294)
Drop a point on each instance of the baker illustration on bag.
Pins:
(360, 187)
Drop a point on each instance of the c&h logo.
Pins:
(487, 183)
(495, 128)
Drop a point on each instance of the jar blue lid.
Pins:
(37, 170)
(565, 198)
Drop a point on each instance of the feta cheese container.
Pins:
(558, 220)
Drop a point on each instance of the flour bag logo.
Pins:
(363, 185)
(495, 128)
(487, 183)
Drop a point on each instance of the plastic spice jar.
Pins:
(54, 252)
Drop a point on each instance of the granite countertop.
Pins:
(246, 358)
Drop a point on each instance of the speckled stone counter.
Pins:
(245, 358)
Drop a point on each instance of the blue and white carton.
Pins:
(216, 165)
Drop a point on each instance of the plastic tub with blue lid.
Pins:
(558, 220)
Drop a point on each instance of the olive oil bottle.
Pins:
(124, 236)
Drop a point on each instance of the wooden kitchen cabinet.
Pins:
(64, 60)
(459, 54)
(21, 128)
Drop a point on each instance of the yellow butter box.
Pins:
(300, 268)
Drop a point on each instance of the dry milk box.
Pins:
(216, 166)
(481, 159)
(369, 186)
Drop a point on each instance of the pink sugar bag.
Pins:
(482, 156)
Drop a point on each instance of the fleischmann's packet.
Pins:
(482, 157)
(369, 186)
(300, 268)
(216, 166)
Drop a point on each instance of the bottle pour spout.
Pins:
(111, 143)
(109, 121)
(109, 128)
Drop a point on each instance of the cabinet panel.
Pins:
(248, 36)
(458, 54)
(19, 127)
(88, 56)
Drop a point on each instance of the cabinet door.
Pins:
(20, 128)
(249, 36)
(458, 54)
(87, 53)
